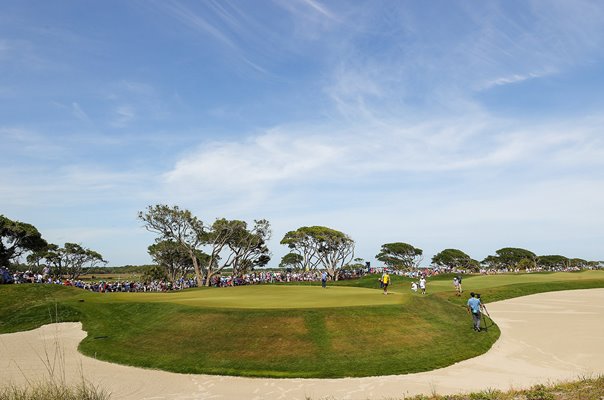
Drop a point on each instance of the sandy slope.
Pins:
(545, 337)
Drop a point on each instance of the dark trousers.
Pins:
(476, 320)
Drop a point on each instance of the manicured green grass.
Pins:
(444, 282)
(266, 297)
(323, 342)
(279, 331)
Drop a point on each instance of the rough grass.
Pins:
(52, 390)
(582, 389)
(328, 337)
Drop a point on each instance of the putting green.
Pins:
(265, 297)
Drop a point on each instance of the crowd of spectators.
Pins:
(253, 278)
(492, 271)
(262, 277)
(219, 280)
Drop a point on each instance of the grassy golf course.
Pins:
(348, 329)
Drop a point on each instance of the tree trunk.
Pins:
(208, 278)
(198, 276)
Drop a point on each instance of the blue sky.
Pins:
(443, 124)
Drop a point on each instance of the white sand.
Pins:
(544, 338)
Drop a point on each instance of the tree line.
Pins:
(405, 256)
(18, 239)
(185, 244)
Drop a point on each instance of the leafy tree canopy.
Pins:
(510, 257)
(72, 259)
(227, 241)
(291, 260)
(17, 238)
(174, 258)
(453, 258)
(321, 246)
(553, 261)
(400, 255)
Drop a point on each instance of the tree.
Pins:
(356, 264)
(581, 263)
(525, 264)
(336, 249)
(17, 238)
(173, 258)
(491, 262)
(303, 244)
(292, 260)
(319, 245)
(180, 226)
(78, 258)
(35, 259)
(217, 238)
(249, 246)
(453, 258)
(553, 261)
(227, 241)
(72, 259)
(155, 273)
(54, 259)
(510, 257)
(400, 255)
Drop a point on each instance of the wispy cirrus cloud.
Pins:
(267, 162)
(515, 78)
(127, 100)
(123, 115)
(227, 28)
(494, 48)
(79, 112)
(24, 143)
(310, 14)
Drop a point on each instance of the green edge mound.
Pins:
(315, 333)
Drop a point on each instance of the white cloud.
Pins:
(320, 8)
(124, 114)
(310, 17)
(304, 159)
(78, 112)
(28, 144)
(506, 80)
(265, 159)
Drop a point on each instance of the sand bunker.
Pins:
(544, 338)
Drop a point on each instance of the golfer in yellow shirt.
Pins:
(386, 281)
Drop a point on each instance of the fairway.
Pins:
(480, 282)
(265, 297)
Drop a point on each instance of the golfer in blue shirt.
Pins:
(474, 307)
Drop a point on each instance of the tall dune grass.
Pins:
(53, 390)
(54, 385)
